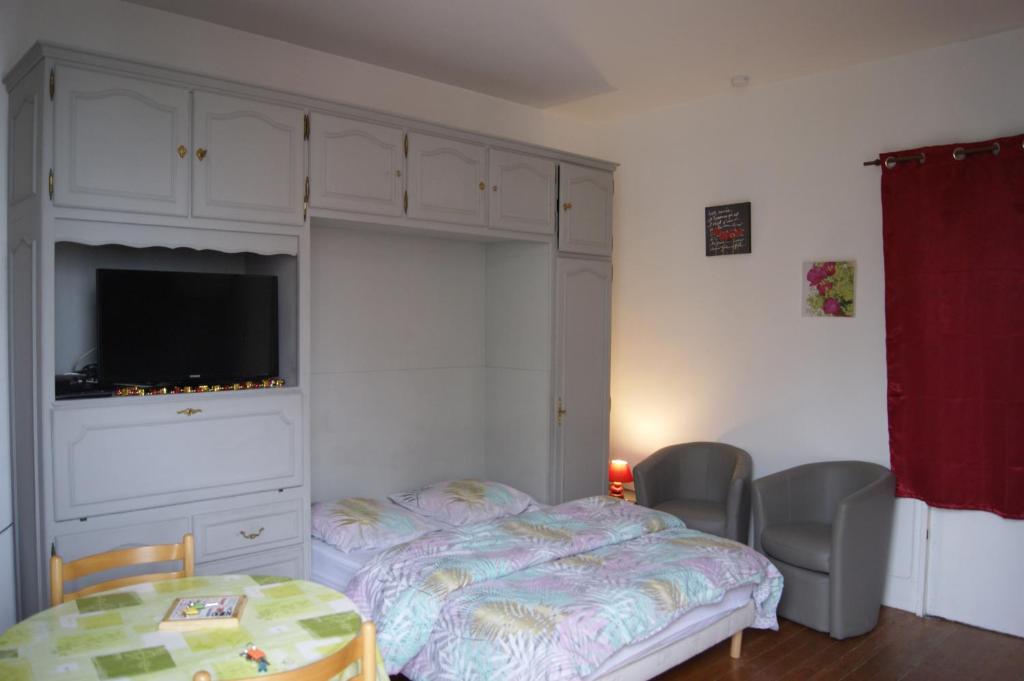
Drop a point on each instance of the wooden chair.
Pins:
(363, 648)
(61, 572)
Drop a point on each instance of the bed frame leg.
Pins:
(736, 645)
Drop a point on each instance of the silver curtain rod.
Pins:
(959, 154)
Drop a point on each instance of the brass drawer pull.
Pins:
(567, 205)
(189, 411)
(200, 153)
(251, 535)
(182, 151)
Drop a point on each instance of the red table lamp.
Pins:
(618, 473)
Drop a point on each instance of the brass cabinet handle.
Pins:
(189, 411)
(200, 153)
(182, 151)
(251, 535)
(483, 186)
(398, 173)
(560, 411)
(567, 205)
(494, 188)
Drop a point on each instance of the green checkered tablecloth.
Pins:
(114, 635)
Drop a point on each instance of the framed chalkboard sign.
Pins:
(727, 229)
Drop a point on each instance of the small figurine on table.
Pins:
(254, 654)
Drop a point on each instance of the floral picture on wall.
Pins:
(829, 288)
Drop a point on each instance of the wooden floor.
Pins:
(902, 648)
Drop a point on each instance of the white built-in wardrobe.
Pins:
(444, 310)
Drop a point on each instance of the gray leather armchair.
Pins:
(826, 527)
(706, 484)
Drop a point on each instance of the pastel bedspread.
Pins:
(549, 594)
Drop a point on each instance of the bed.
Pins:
(593, 589)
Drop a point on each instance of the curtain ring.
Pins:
(890, 162)
(959, 154)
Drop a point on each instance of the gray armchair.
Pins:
(826, 527)
(706, 484)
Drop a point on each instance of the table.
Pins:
(114, 635)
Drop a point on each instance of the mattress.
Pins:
(335, 568)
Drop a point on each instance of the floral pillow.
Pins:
(358, 524)
(463, 502)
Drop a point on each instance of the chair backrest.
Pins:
(817, 489)
(61, 572)
(362, 648)
(701, 470)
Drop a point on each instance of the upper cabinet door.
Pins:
(120, 143)
(447, 180)
(249, 160)
(522, 192)
(585, 222)
(355, 166)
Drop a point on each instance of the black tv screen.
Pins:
(185, 328)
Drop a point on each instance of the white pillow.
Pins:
(357, 524)
(463, 502)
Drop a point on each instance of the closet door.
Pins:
(522, 193)
(249, 160)
(447, 180)
(582, 358)
(119, 143)
(585, 218)
(355, 166)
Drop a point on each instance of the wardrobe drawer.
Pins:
(161, 451)
(288, 562)
(226, 533)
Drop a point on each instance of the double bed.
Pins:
(592, 589)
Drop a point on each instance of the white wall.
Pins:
(715, 348)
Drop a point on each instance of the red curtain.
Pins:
(954, 314)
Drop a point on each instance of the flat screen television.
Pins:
(184, 328)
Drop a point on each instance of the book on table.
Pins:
(204, 612)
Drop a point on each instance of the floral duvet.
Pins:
(549, 594)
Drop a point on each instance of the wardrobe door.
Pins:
(582, 358)
(119, 143)
(248, 160)
(447, 180)
(585, 218)
(522, 195)
(355, 166)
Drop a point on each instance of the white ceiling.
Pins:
(601, 59)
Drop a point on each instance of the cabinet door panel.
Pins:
(242, 444)
(585, 218)
(522, 193)
(254, 160)
(447, 180)
(582, 357)
(116, 143)
(355, 166)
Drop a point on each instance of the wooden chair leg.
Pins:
(736, 645)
